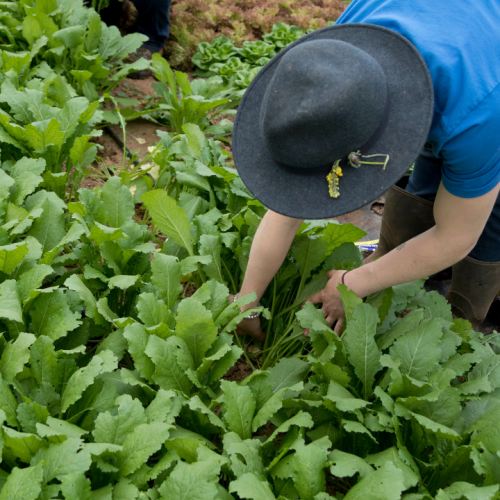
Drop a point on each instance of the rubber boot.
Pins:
(405, 216)
(473, 288)
(474, 283)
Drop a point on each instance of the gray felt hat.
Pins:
(354, 96)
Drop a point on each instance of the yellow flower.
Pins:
(338, 171)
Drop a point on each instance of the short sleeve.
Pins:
(471, 154)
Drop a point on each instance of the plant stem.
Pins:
(244, 351)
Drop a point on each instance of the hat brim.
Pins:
(306, 196)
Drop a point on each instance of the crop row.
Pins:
(116, 347)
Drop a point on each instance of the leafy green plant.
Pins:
(206, 210)
(68, 39)
(282, 35)
(192, 102)
(219, 50)
(55, 128)
(257, 53)
(228, 68)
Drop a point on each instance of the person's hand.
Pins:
(249, 327)
(333, 308)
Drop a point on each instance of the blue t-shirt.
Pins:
(460, 42)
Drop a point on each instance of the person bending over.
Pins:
(337, 118)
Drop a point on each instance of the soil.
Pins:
(378, 205)
(378, 208)
(238, 372)
(267, 430)
(188, 289)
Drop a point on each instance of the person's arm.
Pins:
(459, 224)
(269, 248)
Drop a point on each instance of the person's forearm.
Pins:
(418, 258)
(269, 248)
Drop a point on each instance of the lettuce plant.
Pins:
(282, 35)
(219, 50)
(258, 53)
(228, 68)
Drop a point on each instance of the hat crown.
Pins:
(326, 99)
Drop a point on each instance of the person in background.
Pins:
(152, 20)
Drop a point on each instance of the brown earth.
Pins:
(238, 372)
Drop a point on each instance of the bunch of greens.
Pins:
(65, 38)
(257, 53)
(282, 35)
(196, 102)
(238, 66)
(206, 211)
(46, 121)
(219, 50)
(400, 407)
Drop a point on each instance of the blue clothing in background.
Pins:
(460, 42)
(153, 21)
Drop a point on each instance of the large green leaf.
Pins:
(400, 328)
(27, 174)
(153, 311)
(12, 255)
(15, 355)
(10, 305)
(103, 362)
(196, 481)
(61, 459)
(308, 464)
(393, 455)
(76, 486)
(71, 36)
(52, 316)
(210, 245)
(49, 229)
(343, 399)
(418, 350)
(170, 219)
(387, 483)
(76, 284)
(347, 465)
(137, 338)
(42, 134)
(23, 484)
(196, 327)
(362, 350)
(43, 361)
(115, 428)
(166, 276)
(309, 253)
(251, 487)
(8, 403)
(336, 234)
(118, 202)
(287, 373)
(461, 489)
(239, 408)
(140, 444)
(168, 374)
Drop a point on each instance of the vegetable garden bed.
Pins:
(119, 374)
